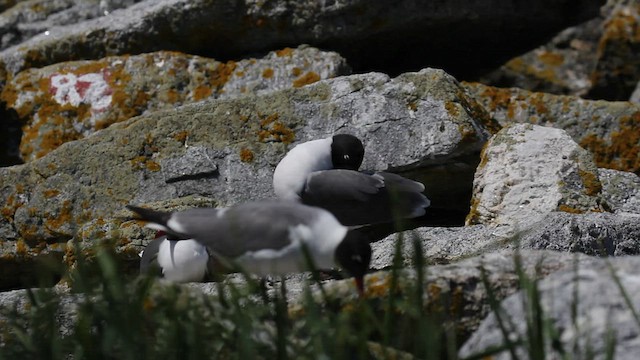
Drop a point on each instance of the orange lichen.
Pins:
(152, 165)
(202, 92)
(623, 151)
(296, 71)
(267, 73)
(273, 130)
(181, 136)
(50, 193)
(551, 58)
(64, 216)
(284, 52)
(21, 248)
(569, 209)
(306, 79)
(222, 74)
(592, 185)
(452, 108)
(246, 155)
(376, 287)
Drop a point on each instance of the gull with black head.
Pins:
(268, 237)
(324, 173)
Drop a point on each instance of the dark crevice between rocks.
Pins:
(199, 176)
(10, 136)
(44, 270)
(448, 186)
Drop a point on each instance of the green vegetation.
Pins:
(108, 316)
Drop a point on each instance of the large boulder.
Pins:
(226, 150)
(585, 311)
(372, 35)
(610, 130)
(528, 171)
(71, 100)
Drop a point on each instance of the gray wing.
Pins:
(148, 262)
(357, 198)
(347, 185)
(246, 227)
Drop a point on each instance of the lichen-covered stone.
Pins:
(26, 19)
(620, 190)
(610, 130)
(68, 101)
(411, 122)
(527, 171)
(617, 69)
(456, 290)
(394, 37)
(562, 66)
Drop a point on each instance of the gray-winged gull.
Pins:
(268, 237)
(324, 173)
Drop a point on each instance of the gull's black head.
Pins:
(354, 255)
(347, 152)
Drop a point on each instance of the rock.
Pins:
(584, 309)
(29, 18)
(562, 66)
(71, 100)
(617, 69)
(597, 59)
(635, 95)
(373, 35)
(527, 171)
(621, 190)
(49, 199)
(610, 130)
(455, 291)
(439, 245)
(596, 234)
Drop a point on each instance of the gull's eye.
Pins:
(346, 157)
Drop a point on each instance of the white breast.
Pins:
(291, 173)
(183, 261)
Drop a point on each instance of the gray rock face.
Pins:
(30, 18)
(48, 200)
(527, 171)
(600, 234)
(372, 34)
(601, 314)
(621, 190)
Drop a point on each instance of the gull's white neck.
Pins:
(291, 173)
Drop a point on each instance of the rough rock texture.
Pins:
(621, 190)
(68, 101)
(30, 18)
(527, 171)
(617, 69)
(601, 234)
(456, 291)
(598, 234)
(610, 130)
(598, 59)
(562, 66)
(373, 35)
(592, 294)
(227, 150)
